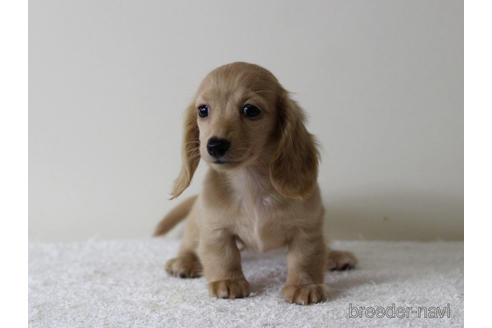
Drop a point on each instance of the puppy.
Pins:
(261, 190)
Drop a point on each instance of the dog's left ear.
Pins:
(294, 169)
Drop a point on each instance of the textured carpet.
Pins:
(123, 284)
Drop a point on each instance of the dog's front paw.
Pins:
(340, 260)
(229, 288)
(306, 294)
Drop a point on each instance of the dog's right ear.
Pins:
(190, 152)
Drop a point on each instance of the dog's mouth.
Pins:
(223, 162)
(229, 161)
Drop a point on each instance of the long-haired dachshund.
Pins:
(261, 190)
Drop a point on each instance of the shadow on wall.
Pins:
(395, 216)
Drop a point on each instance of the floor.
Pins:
(123, 284)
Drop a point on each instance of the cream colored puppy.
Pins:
(261, 190)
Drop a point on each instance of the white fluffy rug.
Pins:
(123, 284)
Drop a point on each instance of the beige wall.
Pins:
(382, 82)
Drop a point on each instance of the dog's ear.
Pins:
(190, 153)
(294, 169)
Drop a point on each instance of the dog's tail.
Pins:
(175, 216)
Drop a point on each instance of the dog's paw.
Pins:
(184, 267)
(306, 294)
(340, 260)
(229, 288)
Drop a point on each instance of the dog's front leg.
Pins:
(222, 265)
(305, 264)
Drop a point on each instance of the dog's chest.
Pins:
(259, 225)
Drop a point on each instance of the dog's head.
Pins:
(241, 116)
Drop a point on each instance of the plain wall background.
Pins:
(381, 81)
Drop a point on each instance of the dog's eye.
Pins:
(203, 110)
(250, 110)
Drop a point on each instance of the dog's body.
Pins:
(261, 189)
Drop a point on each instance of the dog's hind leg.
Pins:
(339, 260)
(187, 264)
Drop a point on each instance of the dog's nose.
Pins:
(217, 147)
